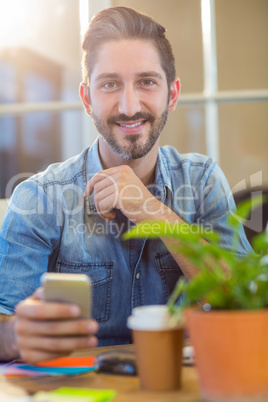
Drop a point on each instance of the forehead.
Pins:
(126, 58)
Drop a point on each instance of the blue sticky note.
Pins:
(57, 370)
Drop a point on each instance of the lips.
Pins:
(127, 121)
(131, 125)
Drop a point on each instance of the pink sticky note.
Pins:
(17, 372)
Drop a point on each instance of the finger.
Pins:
(56, 327)
(110, 182)
(42, 310)
(56, 344)
(101, 176)
(33, 356)
(106, 205)
(39, 294)
(105, 202)
(108, 215)
(107, 192)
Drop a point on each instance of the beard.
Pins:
(135, 148)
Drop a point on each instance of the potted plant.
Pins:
(225, 307)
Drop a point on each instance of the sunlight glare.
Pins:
(84, 15)
(14, 19)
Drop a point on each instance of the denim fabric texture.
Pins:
(50, 226)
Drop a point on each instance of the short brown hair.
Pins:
(117, 23)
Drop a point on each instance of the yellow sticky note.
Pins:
(66, 394)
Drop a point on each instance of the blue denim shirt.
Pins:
(49, 226)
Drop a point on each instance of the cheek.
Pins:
(157, 101)
(159, 107)
(102, 105)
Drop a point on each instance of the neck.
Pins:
(144, 167)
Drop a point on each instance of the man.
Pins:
(70, 218)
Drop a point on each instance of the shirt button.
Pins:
(137, 275)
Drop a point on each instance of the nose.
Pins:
(129, 102)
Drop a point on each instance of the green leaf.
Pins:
(260, 243)
(244, 286)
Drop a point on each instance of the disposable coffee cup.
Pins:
(158, 343)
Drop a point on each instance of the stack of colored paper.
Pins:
(61, 366)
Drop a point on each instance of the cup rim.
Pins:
(152, 309)
(143, 324)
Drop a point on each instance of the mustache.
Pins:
(137, 116)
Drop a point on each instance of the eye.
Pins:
(147, 82)
(109, 85)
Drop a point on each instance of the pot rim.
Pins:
(199, 310)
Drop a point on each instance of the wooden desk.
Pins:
(128, 388)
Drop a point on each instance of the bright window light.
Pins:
(16, 21)
(84, 15)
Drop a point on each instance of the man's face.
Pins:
(129, 96)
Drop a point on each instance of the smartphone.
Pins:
(68, 288)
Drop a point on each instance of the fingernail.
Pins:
(91, 341)
(75, 310)
(92, 327)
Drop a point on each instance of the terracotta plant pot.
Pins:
(231, 351)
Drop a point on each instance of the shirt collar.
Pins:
(162, 177)
(92, 166)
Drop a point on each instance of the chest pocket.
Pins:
(101, 275)
(169, 271)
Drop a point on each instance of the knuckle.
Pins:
(102, 205)
(27, 355)
(126, 170)
(102, 175)
(116, 186)
(97, 187)
(97, 198)
(51, 327)
(20, 342)
(19, 327)
(121, 182)
(19, 308)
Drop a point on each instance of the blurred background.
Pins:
(221, 58)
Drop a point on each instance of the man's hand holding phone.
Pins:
(47, 329)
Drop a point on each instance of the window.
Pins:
(221, 58)
(41, 116)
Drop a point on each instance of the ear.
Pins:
(84, 95)
(174, 94)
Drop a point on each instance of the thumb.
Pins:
(39, 294)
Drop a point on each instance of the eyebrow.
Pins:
(150, 74)
(139, 75)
